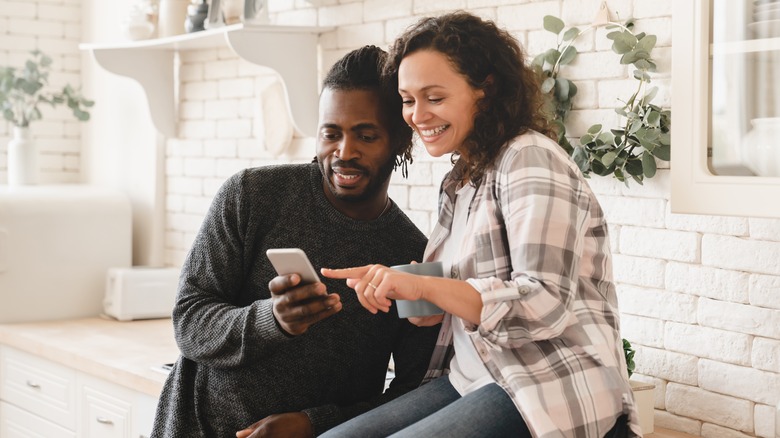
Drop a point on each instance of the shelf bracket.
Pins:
(156, 77)
(262, 46)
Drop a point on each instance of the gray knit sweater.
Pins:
(237, 367)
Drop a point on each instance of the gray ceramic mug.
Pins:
(409, 308)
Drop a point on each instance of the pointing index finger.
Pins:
(346, 272)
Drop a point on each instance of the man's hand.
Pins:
(292, 424)
(296, 308)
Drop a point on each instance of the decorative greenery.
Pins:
(629, 352)
(21, 90)
(628, 151)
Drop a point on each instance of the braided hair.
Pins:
(361, 69)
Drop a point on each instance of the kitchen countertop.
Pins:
(120, 352)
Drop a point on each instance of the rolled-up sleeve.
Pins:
(545, 216)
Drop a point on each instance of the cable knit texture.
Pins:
(237, 366)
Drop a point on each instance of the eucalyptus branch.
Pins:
(630, 150)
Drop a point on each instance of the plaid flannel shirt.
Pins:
(538, 253)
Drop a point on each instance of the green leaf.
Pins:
(571, 34)
(646, 43)
(607, 138)
(551, 56)
(548, 85)
(663, 152)
(580, 156)
(595, 129)
(653, 118)
(568, 55)
(650, 95)
(562, 89)
(623, 42)
(608, 158)
(553, 24)
(585, 139)
(539, 59)
(648, 164)
(642, 64)
(634, 167)
(635, 125)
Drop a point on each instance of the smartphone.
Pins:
(293, 261)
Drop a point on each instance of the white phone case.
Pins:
(293, 261)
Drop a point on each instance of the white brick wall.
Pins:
(53, 27)
(699, 295)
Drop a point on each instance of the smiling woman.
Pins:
(525, 245)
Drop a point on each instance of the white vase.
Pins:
(171, 18)
(22, 158)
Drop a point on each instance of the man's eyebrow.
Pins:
(362, 126)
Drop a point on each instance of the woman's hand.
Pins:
(376, 285)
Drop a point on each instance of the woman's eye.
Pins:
(407, 102)
(435, 99)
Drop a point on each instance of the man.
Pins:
(256, 346)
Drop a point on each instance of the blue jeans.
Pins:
(436, 409)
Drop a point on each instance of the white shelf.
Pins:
(290, 50)
(745, 46)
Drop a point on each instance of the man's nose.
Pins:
(348, 148)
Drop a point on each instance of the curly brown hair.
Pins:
(490, 59)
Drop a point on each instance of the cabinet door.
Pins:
(18, 423)
(39, 386)
(725, 62)
(106, 409)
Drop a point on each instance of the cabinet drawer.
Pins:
(39, 386)
(18, 423)
(106, 409)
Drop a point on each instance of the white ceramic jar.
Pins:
(171, 18)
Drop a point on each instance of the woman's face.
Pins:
(439, 104)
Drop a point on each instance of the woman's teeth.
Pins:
(435, 131)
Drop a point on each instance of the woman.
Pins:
(530, 336)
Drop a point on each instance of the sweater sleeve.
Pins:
(210, 325)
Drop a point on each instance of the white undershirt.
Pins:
(467, 371)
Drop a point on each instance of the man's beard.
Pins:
(374, 186)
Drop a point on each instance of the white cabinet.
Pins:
(718, 93)
(40, 387)
(18, 423)
(39, 398)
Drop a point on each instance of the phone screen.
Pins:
(293, 261)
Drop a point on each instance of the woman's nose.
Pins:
(419, 113)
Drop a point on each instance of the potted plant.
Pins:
(643, 392)
(21, 92)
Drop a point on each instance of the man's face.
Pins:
(353, 147)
